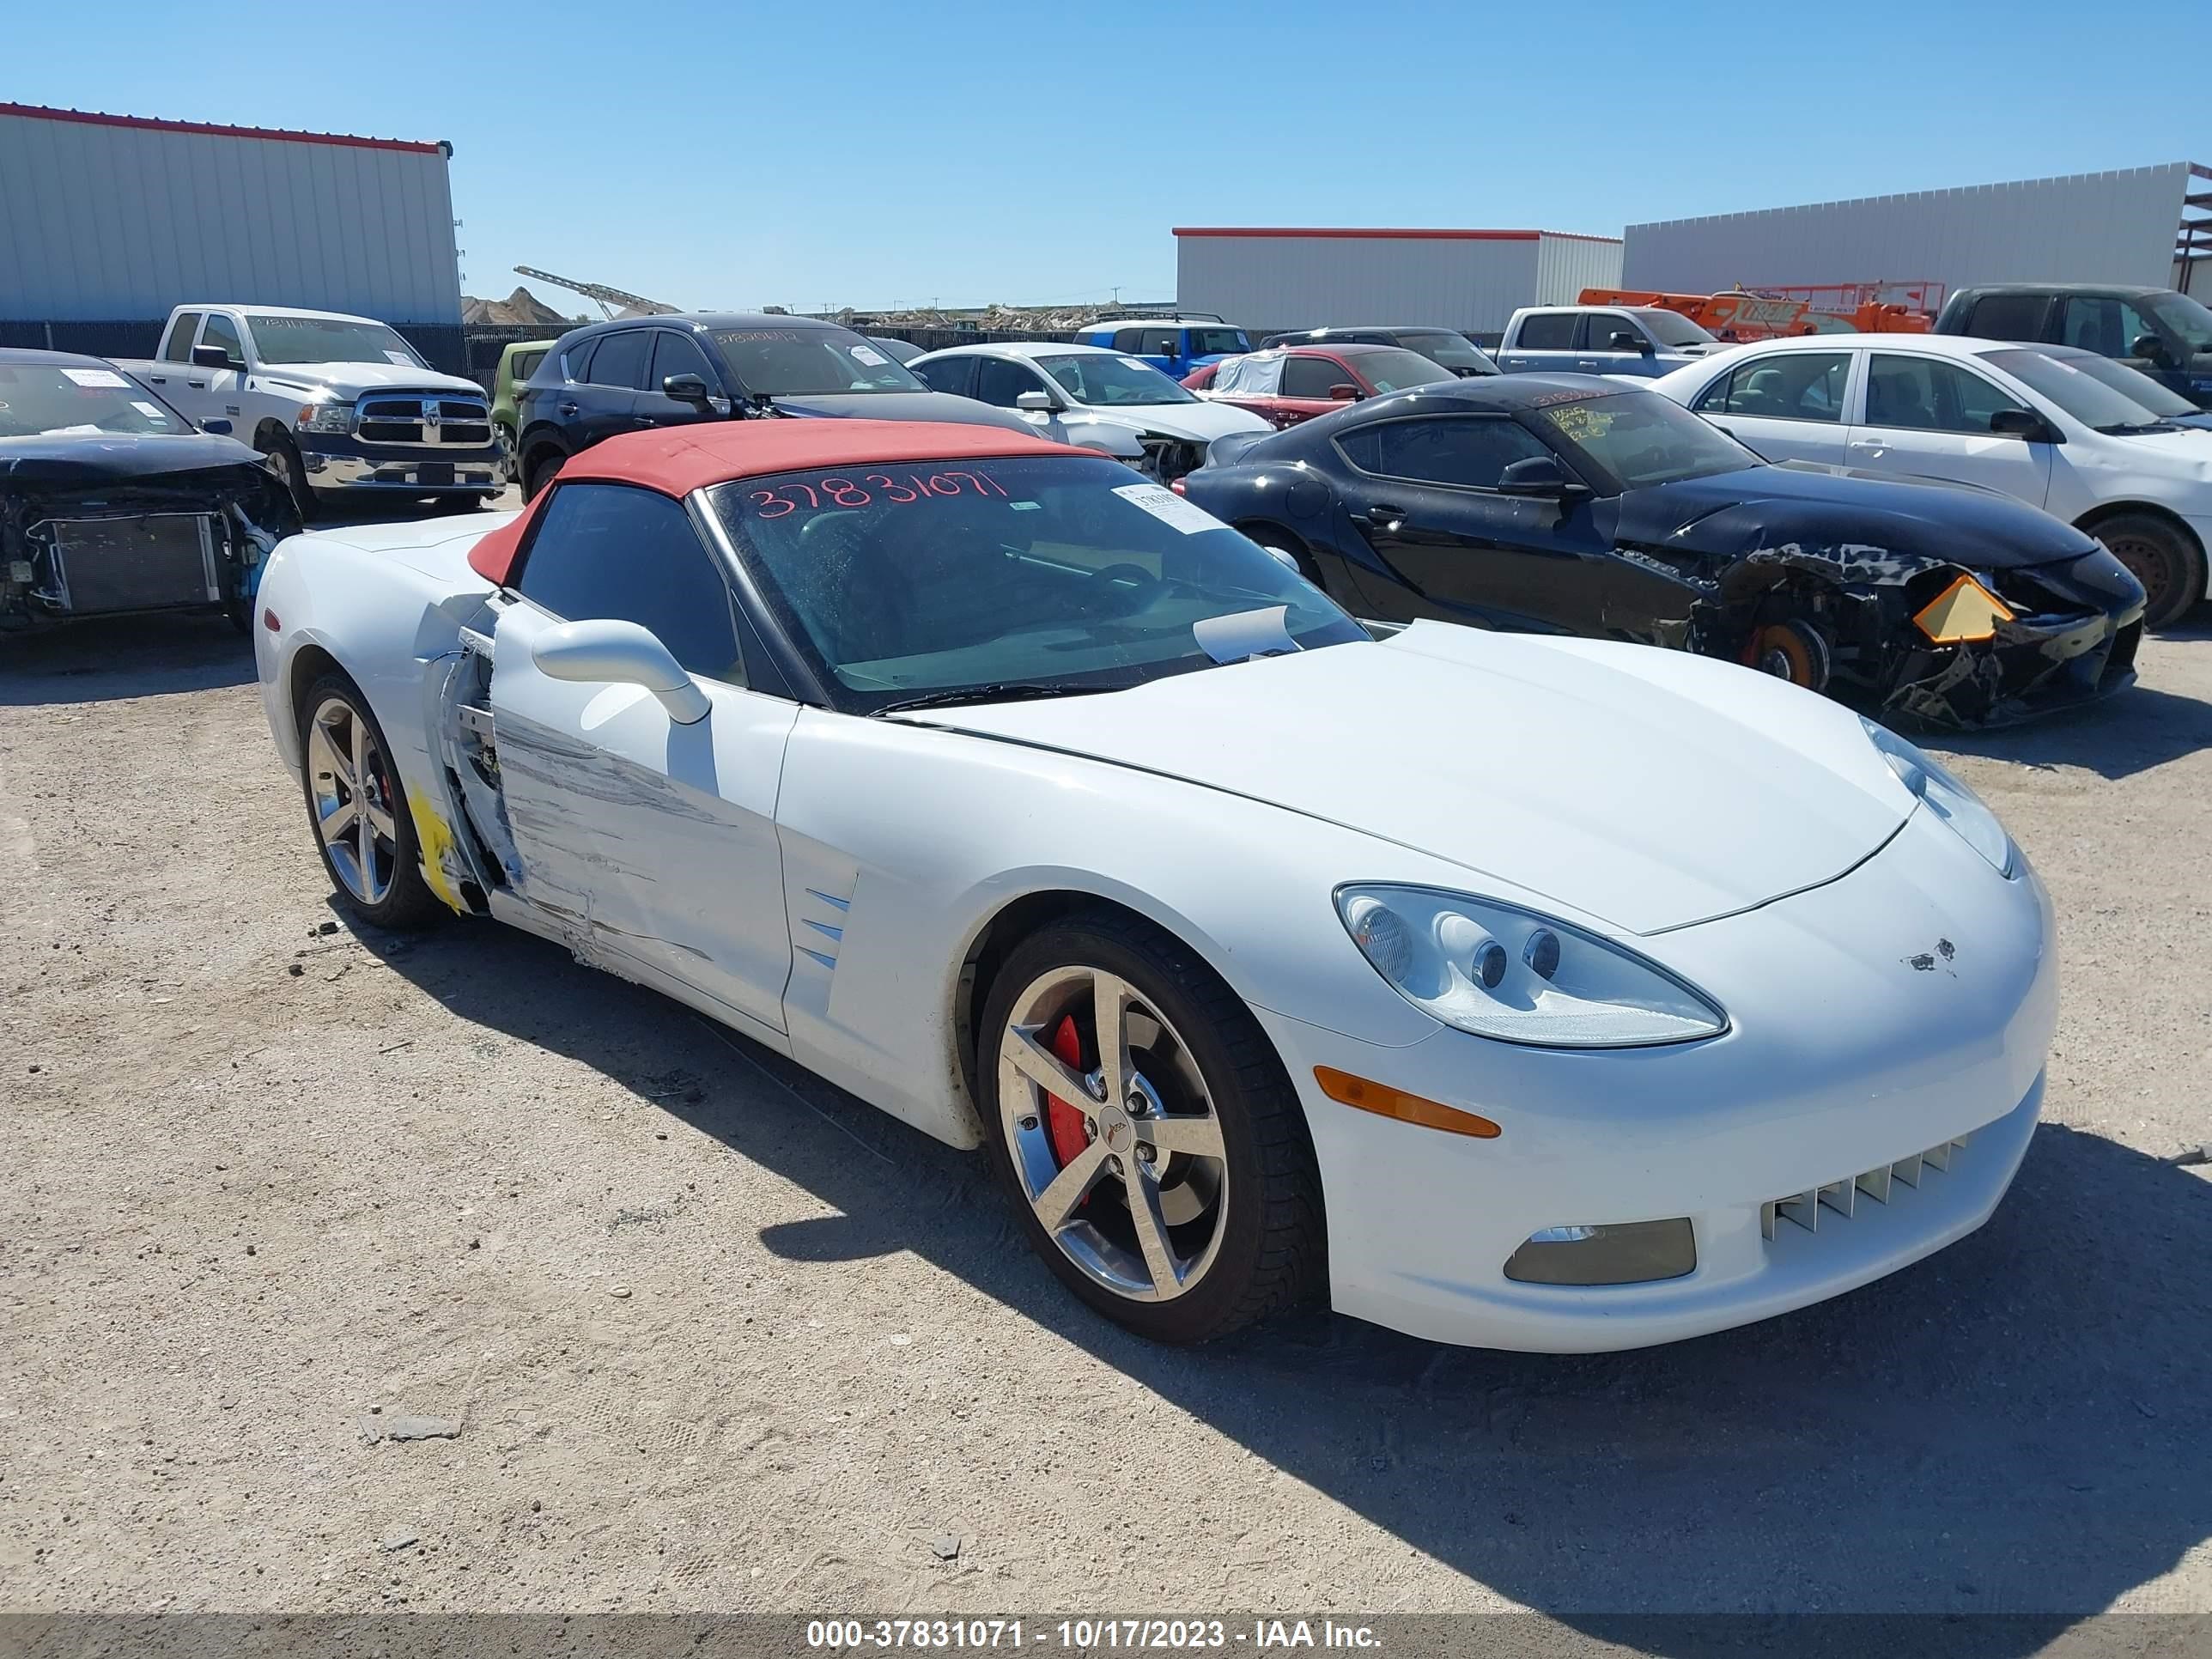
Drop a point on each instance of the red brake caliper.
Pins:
(1062, 1117)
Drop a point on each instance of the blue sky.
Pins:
(873, 154)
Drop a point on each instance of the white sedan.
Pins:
(1540, 994)
(1076, 387)
(2080, 436)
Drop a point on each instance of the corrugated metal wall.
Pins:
(1272, 283)
(2086, 227)
(1565, 266)
(113, 223)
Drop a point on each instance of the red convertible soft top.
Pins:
(677, 460)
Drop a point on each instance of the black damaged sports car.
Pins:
(111, 502)
(1575, 505)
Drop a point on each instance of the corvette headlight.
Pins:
(1945, 796)
(1500, 971)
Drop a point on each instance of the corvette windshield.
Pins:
(1633, 439)
(1037, 574)
(794, 362)
(47, 400)
(1103, 379)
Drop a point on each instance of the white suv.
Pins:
(2080, 436)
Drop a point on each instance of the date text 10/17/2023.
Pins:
(1263, 1635)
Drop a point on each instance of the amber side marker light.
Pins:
(1383, 1101)
(1963, 613)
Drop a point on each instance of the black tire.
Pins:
(539, 470)
(2165, 559)
(1272, 1247)
(407, 902)
(279, 448)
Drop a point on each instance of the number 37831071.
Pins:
(867, 489)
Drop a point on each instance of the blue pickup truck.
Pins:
(1601, 340)
(1173, 345)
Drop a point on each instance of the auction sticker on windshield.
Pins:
(867, 354)
(96, 377)
(1169, 508)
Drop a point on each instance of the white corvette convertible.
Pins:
(1533, 993)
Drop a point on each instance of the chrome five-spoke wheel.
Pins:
(1114, 1136)
(1156, 1152)
(358, 809)
(350, 784)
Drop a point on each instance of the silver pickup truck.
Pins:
(342, 406)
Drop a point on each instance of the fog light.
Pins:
(1622, 1253)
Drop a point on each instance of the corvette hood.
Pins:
(1733, 512)
(1649, 788)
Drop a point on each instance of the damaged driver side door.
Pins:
(646, 839)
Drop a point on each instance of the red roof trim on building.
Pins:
(1389, 235)
(146, 123)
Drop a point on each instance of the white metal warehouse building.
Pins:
(1265, 278)
(110, 220)
(2137, 227)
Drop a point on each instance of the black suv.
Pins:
(639, 372)
(1446, 347)
(2165, 333)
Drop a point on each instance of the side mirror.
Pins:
(218, 426)
(620, 654)
(1034, 401)
(207, 356)
(685, 389)
(2022, 423)
(1344, 392)
(1537, 475)
(2148, 347)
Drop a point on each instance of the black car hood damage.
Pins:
(1880, 549)
(1853, 527)
(74, 461)
(61, 478)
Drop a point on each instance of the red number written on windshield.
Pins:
(871, 487)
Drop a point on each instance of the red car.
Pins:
(1296, 383)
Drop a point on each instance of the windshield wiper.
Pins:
(1002, 691)
(2136, 428)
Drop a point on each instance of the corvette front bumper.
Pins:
(1860, 1046)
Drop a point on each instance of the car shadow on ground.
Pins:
(2019, 1424)
(2134, 731)
(147, 656)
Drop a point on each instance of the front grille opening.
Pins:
(408, 420)
(1622, 1253)
(1841, 1199)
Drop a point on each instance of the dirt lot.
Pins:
(721, 1337)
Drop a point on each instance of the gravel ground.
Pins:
(715, 1335)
